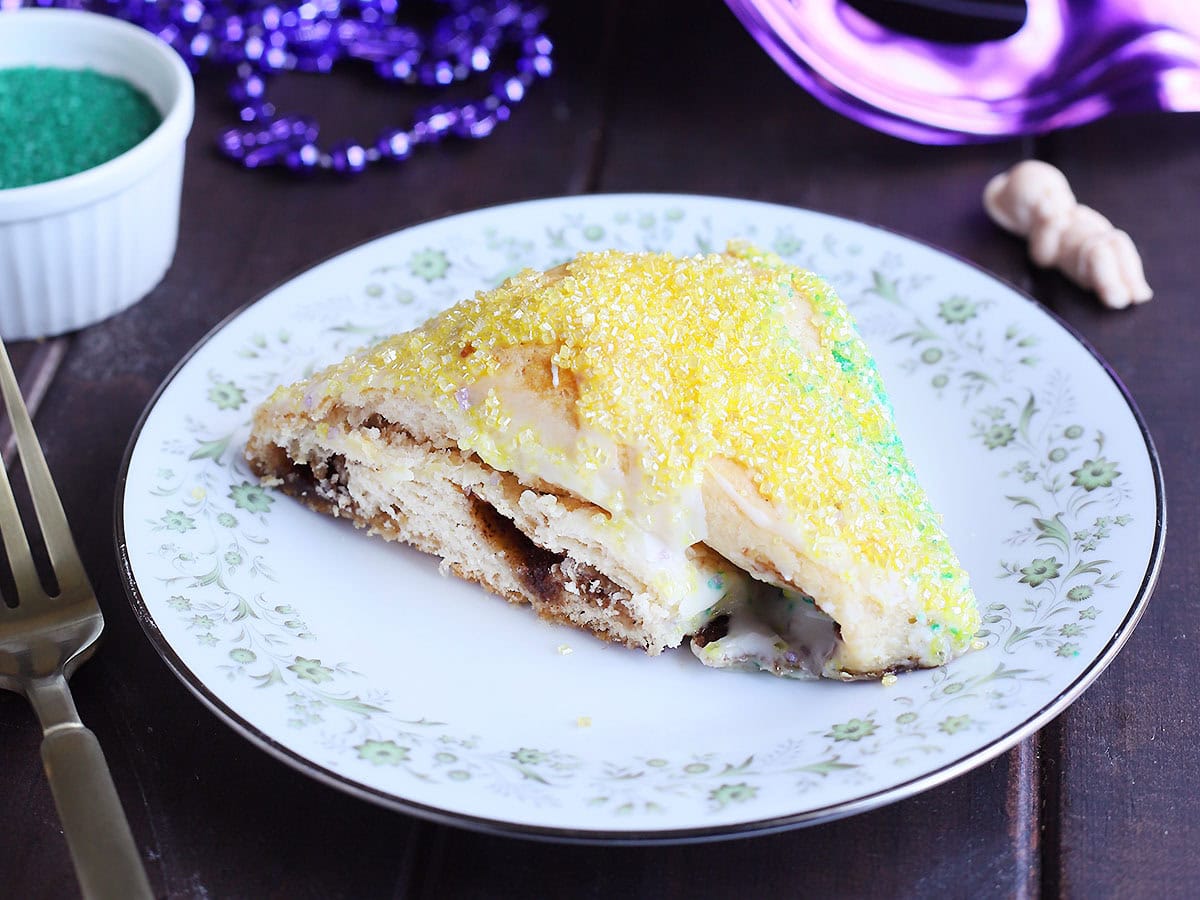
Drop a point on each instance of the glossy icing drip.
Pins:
(775, 631)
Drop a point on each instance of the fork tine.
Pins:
(16, 545)
(64, 557)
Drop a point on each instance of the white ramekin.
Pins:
(78, 249)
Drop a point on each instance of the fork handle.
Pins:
(106, 858)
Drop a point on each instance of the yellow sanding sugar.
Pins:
(687, 359)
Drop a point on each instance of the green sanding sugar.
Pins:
(56, 122)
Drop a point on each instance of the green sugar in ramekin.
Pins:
(57, 122)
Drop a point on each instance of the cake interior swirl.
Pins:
(652, 448)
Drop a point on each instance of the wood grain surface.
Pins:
(666, 96)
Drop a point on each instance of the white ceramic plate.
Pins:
(353, 660)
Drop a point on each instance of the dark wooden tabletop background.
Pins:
(1104, 801)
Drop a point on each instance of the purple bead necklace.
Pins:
(259, 39)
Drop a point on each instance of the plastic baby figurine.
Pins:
(1034, 200)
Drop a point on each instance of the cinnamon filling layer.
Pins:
(555, 579)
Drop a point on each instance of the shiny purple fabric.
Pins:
(1071, 62)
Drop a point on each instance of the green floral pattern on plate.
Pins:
(1055, 480)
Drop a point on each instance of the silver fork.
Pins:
(43, 640)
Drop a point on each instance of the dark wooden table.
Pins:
(1104, 801)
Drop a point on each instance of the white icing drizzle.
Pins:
(584, 462)
(774, 631)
